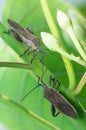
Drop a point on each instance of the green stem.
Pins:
(16, 65)
(76, 43)
(22, 109)
(55, 32)
(81, 84)
(72, 57)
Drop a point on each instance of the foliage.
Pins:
(15, 82)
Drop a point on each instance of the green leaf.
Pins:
(15, 83)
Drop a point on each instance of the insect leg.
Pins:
(42, 60)
(33, 55)
(30, 30)
(55, 81)
(8, 32)
(52, 79)
(14, 33)
(53, 111)
(25, 52)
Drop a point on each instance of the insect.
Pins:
(56, 99)
(26, 36)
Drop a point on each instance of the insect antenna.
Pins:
(29, 92)
(39, 84)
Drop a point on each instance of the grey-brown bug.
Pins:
(56, 99)
(26, 36)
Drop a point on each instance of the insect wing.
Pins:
(19, 29)
(59, 102)
(23, 35)
(15, 25)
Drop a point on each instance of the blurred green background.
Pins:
(15, 83)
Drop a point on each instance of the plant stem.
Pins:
(81, 84)
(16, 65)
(72, 57)
(76, 43)
(55, 32)
(20, 108)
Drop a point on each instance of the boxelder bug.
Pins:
(56, 99)
(26, 36)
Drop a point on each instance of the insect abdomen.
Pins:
(59, 102)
